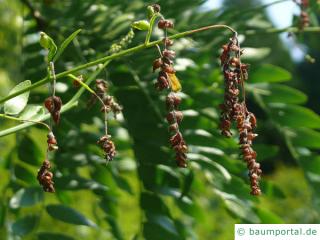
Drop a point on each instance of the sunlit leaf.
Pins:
(26, 197)
(294, 116)
(15, 105)
(32, 112)
(269, 73)
(278, 93)
(305, 137)
(253, 54)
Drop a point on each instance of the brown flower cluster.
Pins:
(164, 63)
(232, 110)
(174, 118)
(108, 147)
(53, 104)
(110, 105)
(45, 177)
(304, 20)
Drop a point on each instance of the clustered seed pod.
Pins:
(232, 110)
(53, 104)
(111, 106)
(174, 118)
(304, 20)
(108, 147)
(52, 142)
(45, 177)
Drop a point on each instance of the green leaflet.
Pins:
(48, 43)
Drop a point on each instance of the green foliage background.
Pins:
(142, 194)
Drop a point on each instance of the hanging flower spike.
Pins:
(232, 110)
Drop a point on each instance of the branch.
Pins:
(111, 57)
(152, 44)
(132, 50)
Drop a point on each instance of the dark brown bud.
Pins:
(167, 42)
(168, 69)
(157, 64)
(173, 101)
(235, 62)
(163, 24)
(181, 160)
(169, 53)
(48, 103)
(53, 104)
(108, 147)
(174, 116)
(255, 191)
(45, 177)
(179, 116)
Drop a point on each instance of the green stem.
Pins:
(152, 20)
(23, 120)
